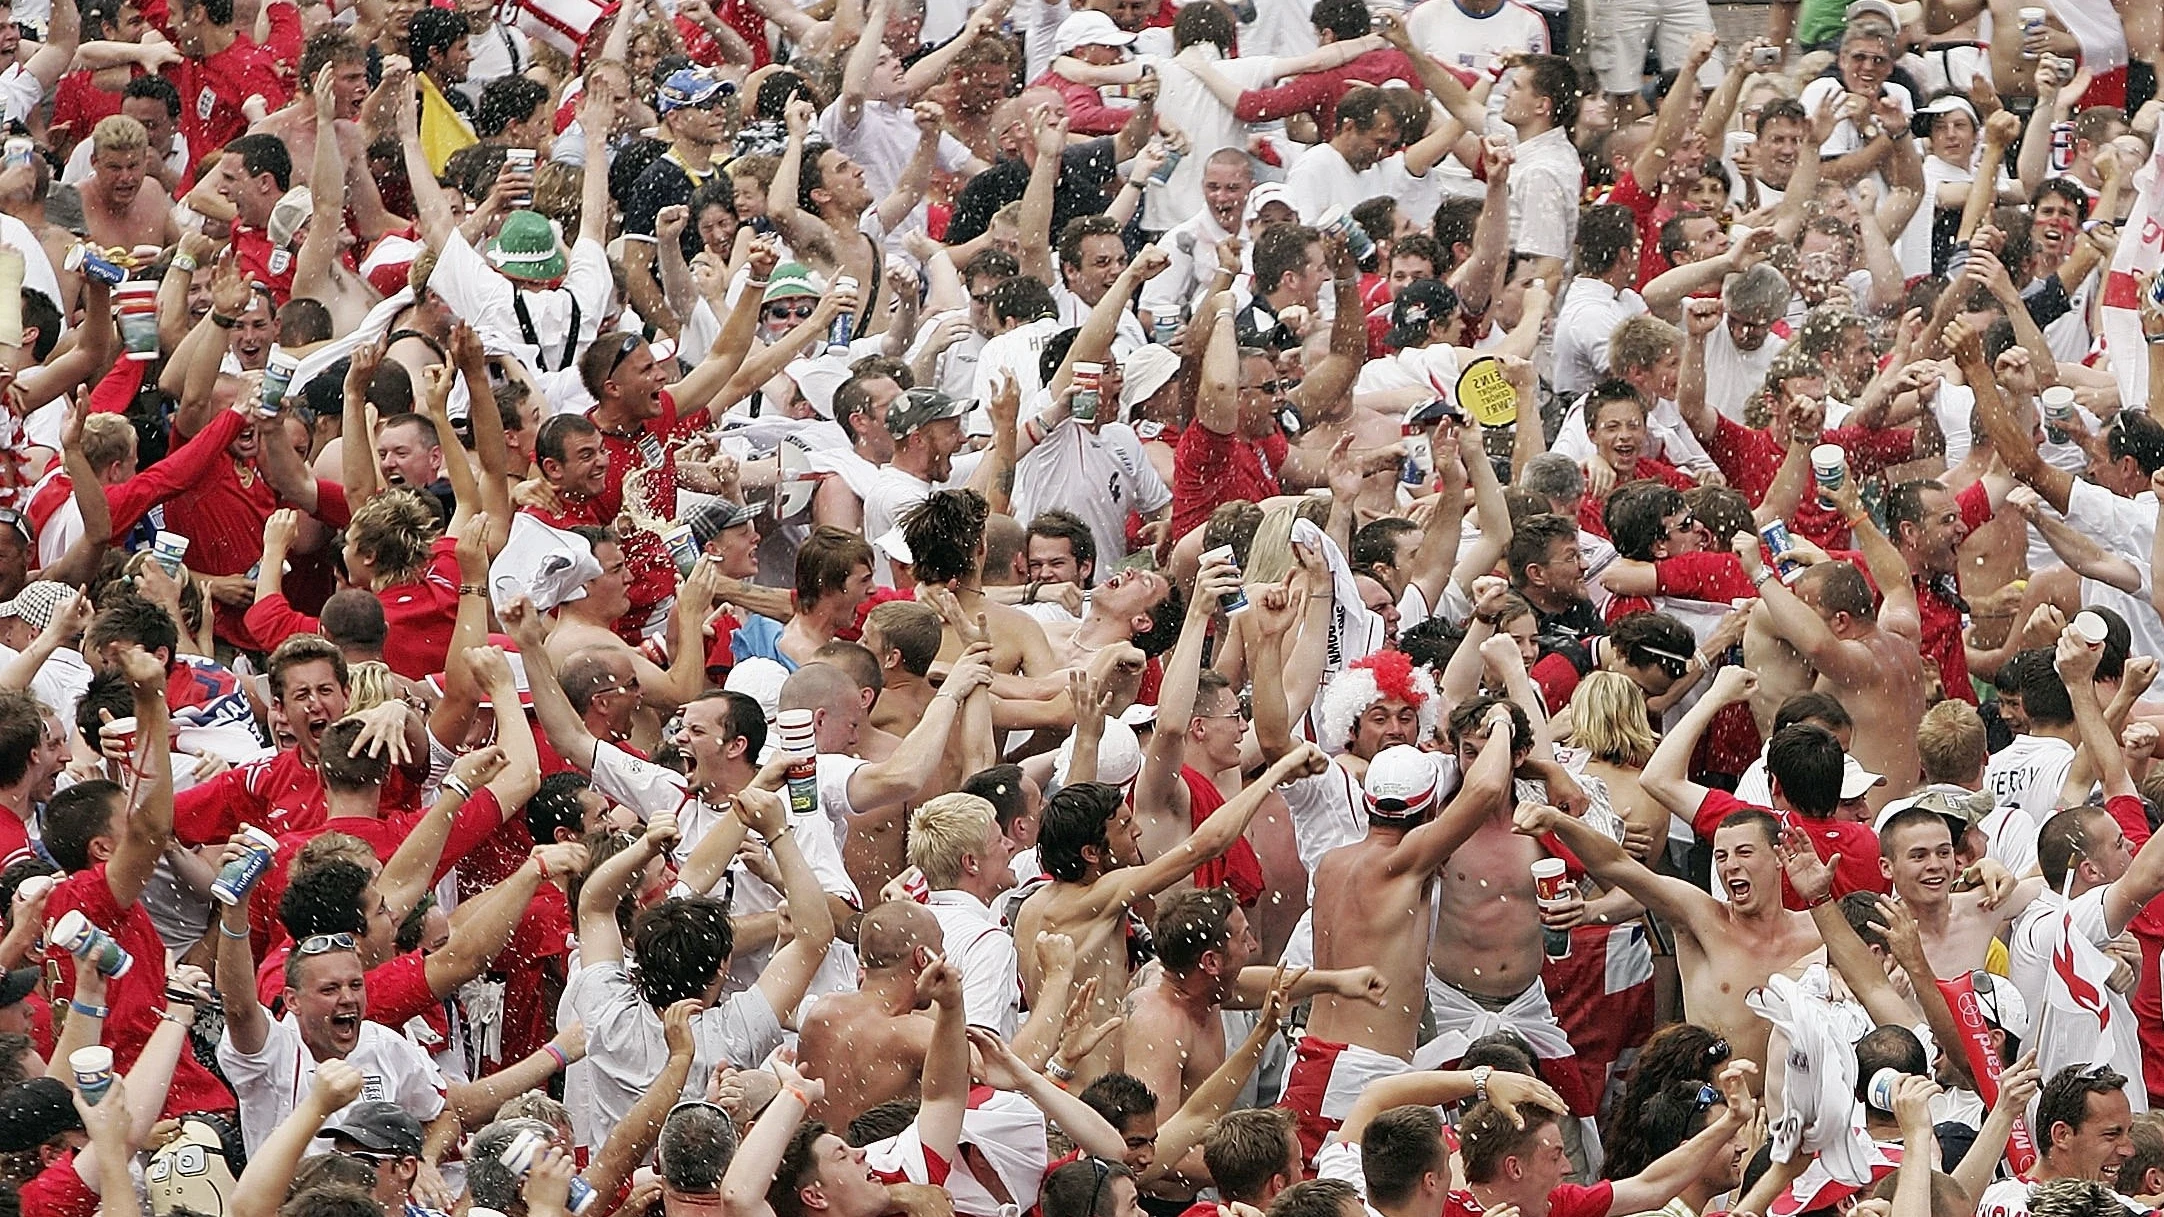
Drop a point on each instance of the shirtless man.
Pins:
(1870, 659)
(827, 219)
(945, 534)
(588, 623)
(1089, 845)
(320, 272)
(299, 125)
(121, 206)
(869, 1045)
(1173, 1036)
(904, 637)
(1916, 852)
(1197, 738)
(1373, 905)
(1333, 426)
(1725, 949)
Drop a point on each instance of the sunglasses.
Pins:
(1670, 662)
(11, 518)
(1274, 388)
(782, 312)
(627, 344)
(1706, 1098)
(324, 944)
(1686, 524)
(1097, 1189)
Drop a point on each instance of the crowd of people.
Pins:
(896, 608)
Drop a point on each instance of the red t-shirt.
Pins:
(57, 1191)
(134, 997)
(1239, 868)
(1591, 511)
(1942, 627)
(263, 262)
(1567, 1200)
(14, 840)
(1209, 469)
(223, 518)
(78, 104)
(1749, 457)
(279, 794)
(1857, 845)
(1645, 210)
(212, 88)
(420, 615)
(1087, 113)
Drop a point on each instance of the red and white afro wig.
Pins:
(1383, 676)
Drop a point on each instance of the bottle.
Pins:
(797, 740)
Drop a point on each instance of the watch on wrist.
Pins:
(1480, 1082)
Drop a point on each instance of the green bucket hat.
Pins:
(526, 248)
(789, 279)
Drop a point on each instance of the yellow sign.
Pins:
(1486, 394)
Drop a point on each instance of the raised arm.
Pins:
(566, 731)
(1666, 775)
(1048, 127)
(1210, 839)
(149, 818)
(1157, 791)
(811, 923)
(1898, 611)
(1795, 622)
(1812, 880)
(327, 177)
(1666, 1176)
(1605, 859)
(600, 939)
(1434, 77)
(1996, 420)
(1331, 378)
(863, 57)
(270, 1168)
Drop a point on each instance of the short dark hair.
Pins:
(826, 561)
(1553, 77)
(158, 88)
(1021, 298)
(125, 616)
(509, 99)
(75, 817)
(1606, 232)
(1074, 819)
(342, 771)
(990, 263)
(263, 153)
(1282, 250)
(1202, 23)
(1079, 1189)
(680, 946)
(1246, 1148)
(303, 320)
(2043, 694)
(1191, 924)
(1376, 544)
(324, 899)
(1888, 1047)
(785, 1195)
(432, 30)
(555, 805)
(1813, 705)
(1362, 105)
(1315, 1198)
(218, 12)
(1919, 817)
(552, 441)
(943, 531)
(353, 617)
(1001, 786)
(1634, 514)
(2065, 1098)
(1348, 19)
(1119, 1098)
(1066, 525)
(1807, 763)
(22, 730)
(1486, 1137)
(1401, 1145)
(696, 1146)
(1785, 109)
(1532, 539)
(1080, 229)
(2066, 839)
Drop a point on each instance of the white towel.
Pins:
(1818, 1112)
(2095, 25)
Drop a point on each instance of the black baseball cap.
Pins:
(1419, 303)
(381, 1126)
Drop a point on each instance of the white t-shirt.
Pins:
(882, 142)
(2028, 774)
(1280, 27)
(1074, 311)
(271, 1081)
(1545, 182)
(1846, 138)
(60, 681)
(1014, 354)
(79, 167)
(1323, 178)
(954, 370)
(1450, 34)
(1209, 123)
(625, 1046)
(497, 51)
(1733, 374)
(1100, 476)
(1591, 310)
(991, 968)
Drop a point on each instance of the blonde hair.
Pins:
(533, 1105)
(1269, 555)
(942, 829)
(393, 530)
(1951, 743)
(369, 684)
(335, 847)
(1608, 719)
(118, 133)
(1641, 342)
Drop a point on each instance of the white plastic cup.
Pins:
(169, 549)
(2057, 403)
(93, 1068)
(2032, 23)
(1829, 465)
(2091, 628)
(795, 732)
(1881, 1092)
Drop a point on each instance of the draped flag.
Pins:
(2141, 251)
(2077, 1016)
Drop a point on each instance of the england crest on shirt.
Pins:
(372, 1087)
(205, 102)
(280, 260)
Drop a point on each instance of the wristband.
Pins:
(473, 589)
(541, 864)
(1031, 589)
(2154, 339)
(562, 1061)
(244, 932)
(222, 321)
(183, 263)
(796, 1092)
(1822, 900)
(1058, 1072)
(754, 283)
(1858, 518)
(1480, 1082)
(88, 1011)
(457, 785)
